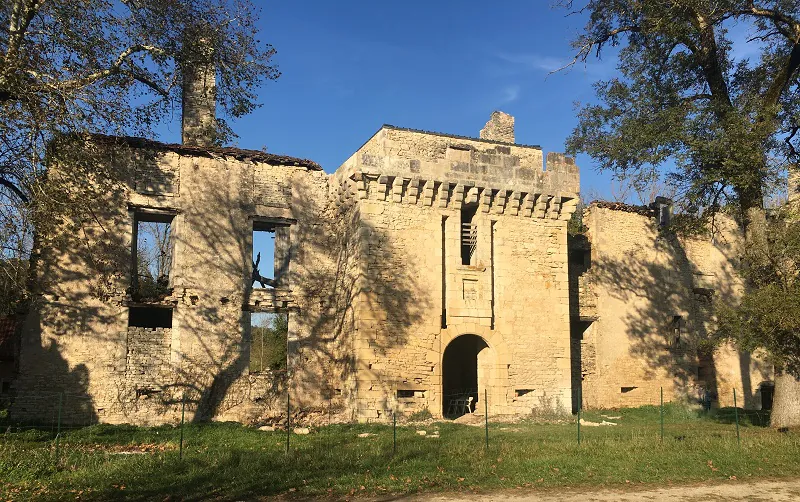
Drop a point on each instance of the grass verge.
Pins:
(230, 462)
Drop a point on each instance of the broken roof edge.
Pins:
(455, 136)
(237, 153)
(621, 206)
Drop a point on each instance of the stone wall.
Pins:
(653, 291)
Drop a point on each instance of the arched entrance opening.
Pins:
(465, 373)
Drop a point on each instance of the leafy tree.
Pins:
(729, 124)
(768, 317)
(681, 96)
(113, 66)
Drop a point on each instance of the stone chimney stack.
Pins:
(199, 103)
(499, 128)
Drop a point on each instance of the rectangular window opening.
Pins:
(268, 339)
(152, 251)
(150, 317)
(523, 392)
(469, 233)
(625, 390)
(270, 254)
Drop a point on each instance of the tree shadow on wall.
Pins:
(325, 276)
(668, 312)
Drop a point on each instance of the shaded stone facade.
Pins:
(428, 272)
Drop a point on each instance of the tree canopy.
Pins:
(729, 123)
(75, 67)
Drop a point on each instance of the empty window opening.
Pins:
(270, 254)
(469, 233)
(523, 392)
(625, 390)
(268, 338)
(153, 247)
(150, 317)
(676, 330)
(410, 393)
(6, 388)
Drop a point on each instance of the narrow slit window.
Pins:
(268, 337)
(153, 248)
(469, 234)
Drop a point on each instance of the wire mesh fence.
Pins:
(62, 429)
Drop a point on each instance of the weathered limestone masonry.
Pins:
(79, 340)
(430, 271)
(449, 323)
(645, 303)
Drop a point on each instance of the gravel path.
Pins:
(785, 490)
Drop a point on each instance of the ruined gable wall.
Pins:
(80, 329)
(641, 279)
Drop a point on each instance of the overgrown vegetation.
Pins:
(235, 462)
(268, 345)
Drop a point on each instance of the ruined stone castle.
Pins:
(428, 272)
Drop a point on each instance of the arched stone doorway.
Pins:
(466, 364)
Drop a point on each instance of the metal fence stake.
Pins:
(58, 428)
(288, 421)
(394, 432)
(486, 414)
(736, 415)
(662, 414)
(183, 420)
(580, 405)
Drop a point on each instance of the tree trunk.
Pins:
(786, 403)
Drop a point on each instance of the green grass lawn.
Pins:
(229, 462)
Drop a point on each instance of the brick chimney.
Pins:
(499, 128)
(199, 103)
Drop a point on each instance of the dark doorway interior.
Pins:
(767, 394)
(460, 375)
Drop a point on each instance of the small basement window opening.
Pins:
(268, 340)
(469, 233)
(625, 390)
(270, 254)
(152, 256)
(150, 317)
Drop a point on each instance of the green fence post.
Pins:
(58, 427)
(288, 421)
(183, 420)
(580, 405)
(486, 415)
(736, 415)
(662, 414)
(394, 432)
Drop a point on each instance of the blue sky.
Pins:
(350, 66)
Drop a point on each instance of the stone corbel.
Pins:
(444, 193)
(527, 204)
(500, 201)
(513, 203)
(360, 181)
(383, 186)
(541, 206)
(427, 193)
(568, 207)
(397, 190)
(486, 200)
(458, 196)
(413, 191)
(554, 207)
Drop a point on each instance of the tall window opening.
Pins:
(152, 251)
(268, 338)
(469, 233)
(270, 254)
